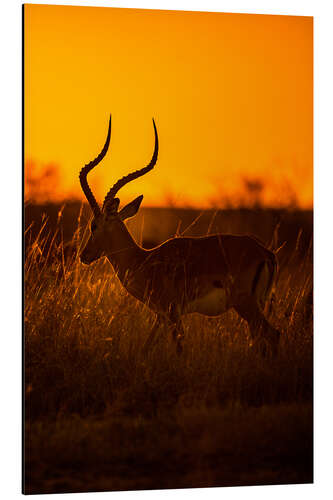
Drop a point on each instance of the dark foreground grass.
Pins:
(101, 415)
(179, 448)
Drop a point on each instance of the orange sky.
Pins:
(231, 95)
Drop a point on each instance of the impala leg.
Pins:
(260, 328)
(178, 335)
(152, 335)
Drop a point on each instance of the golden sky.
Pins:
(231, 95)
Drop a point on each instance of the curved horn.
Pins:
(134, 175)
(86, 169)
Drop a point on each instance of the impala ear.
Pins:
(130, 209)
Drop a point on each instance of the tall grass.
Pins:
(84, 360)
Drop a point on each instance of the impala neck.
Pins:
(123, 252)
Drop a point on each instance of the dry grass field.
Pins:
(102, 415)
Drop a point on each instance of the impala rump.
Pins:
(263, 280)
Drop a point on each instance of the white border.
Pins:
(10, 95)
(284, 7)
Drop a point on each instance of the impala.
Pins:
(206, 275)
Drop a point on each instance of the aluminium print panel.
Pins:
(168, 337)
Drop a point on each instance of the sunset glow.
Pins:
(231, 95)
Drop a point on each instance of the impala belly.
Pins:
(212, 303)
